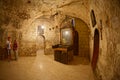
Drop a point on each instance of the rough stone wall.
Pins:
(31, 38)
(18, 17)
(83, 32)
(107, 12)
(76, 8)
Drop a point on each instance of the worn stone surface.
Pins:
(20, 20)
(83, 31)
(25, 16)
(108, 12)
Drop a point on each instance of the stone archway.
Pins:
(83, 38)
(40, 43)
(95, 49)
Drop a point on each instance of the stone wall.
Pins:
(83, 31)
(107, 18)
(20, 19)
(19, 16)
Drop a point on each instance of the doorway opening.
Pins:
(83, 38)
(40, 43)
(95, 49)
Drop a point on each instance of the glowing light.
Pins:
(66, 32)
(41, 66)
(42, 27)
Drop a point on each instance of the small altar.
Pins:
(63, 54)
(68, 46)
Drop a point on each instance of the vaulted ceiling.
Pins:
(12, 10)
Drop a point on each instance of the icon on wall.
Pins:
(40, 30)
(66, 36)
(73, 22)
(93, 19)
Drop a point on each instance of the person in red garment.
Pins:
(15, 46)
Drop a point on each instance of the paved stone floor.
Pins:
(43, 67)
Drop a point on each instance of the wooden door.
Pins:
(76, 43)
(95, 49)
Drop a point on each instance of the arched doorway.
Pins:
(83, 38)
(40, 43)
(95, 49)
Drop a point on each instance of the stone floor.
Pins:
(43, 67)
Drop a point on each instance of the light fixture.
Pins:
(42, 27)
(41, 30)
(66, 32)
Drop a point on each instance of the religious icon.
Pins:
(93, 19)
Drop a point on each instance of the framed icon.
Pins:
(93, 19)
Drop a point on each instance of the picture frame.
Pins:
(93, 18)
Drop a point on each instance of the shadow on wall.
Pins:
(3, 53)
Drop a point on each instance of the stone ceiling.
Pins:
(31, 9)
